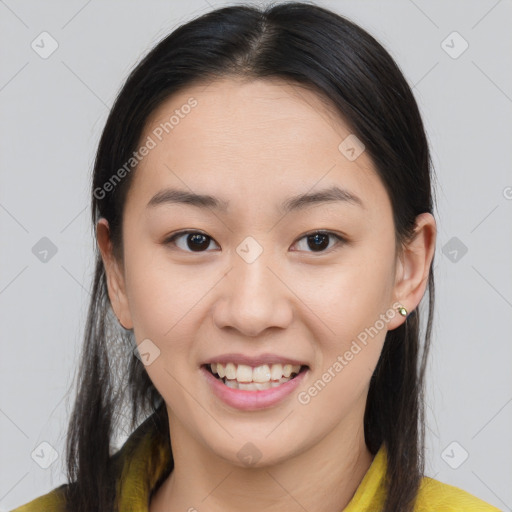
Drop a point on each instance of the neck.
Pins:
(321, 479)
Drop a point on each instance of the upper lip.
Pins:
(254, 360)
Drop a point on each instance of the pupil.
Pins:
(318, 244)
(196, 238)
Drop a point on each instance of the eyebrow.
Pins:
(299, 202)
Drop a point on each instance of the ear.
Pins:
(413, 267)
(115, 279)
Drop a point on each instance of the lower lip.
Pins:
(252, 400)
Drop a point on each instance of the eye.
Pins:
(197, 241)
(319, 240)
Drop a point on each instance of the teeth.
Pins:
(276, 372)
(244, 373)
(262, 374)
(230, 371)
(254, 386)
(231, 384)
(247, 375)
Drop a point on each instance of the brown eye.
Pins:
(319, 240)
(195, 241)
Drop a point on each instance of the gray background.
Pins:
(53, 110)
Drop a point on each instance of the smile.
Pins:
(261, 377)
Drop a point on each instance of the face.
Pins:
(248, 278)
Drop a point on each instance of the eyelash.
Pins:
(341, 240)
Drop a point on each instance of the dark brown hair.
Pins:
(306, 45)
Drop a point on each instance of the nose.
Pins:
(253, 298)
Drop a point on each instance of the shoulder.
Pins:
(436, 496)
(54, 501)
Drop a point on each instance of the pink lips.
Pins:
(251, 400)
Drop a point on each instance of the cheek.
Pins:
(352, 305)
(350, 296)
(161, 295)
(164, 301)
(349, 337)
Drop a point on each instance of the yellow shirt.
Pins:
(148, 462)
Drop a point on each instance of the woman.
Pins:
(263, 211)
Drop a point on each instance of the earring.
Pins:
(402, 310)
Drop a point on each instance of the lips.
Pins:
(244, 391)
(250, 396)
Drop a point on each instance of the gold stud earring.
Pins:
(402, 310)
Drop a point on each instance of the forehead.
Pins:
(259, 138)
(238, 113)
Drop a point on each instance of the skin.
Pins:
(256, 144)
